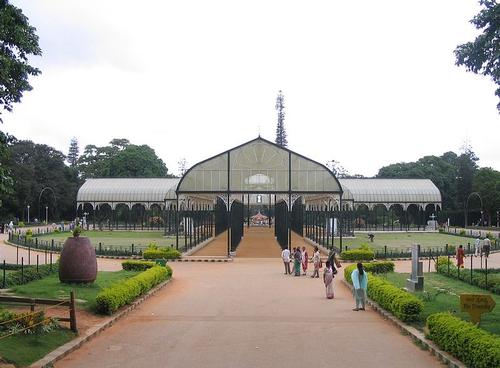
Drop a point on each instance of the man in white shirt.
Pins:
(285, 256)
(477, 247)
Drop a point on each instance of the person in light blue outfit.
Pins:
(359, 279)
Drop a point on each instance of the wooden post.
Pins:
(72, 312)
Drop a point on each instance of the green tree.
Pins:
(137, 162)
(280, 126)
(17, 42)
(466, 169)
(441, 171)
(121, 159)
(34, 167)
(482, 56)
(73, 152)
(487, 183)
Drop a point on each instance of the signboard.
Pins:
(476, 304)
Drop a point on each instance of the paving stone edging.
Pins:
(416, 335)
(59, 353)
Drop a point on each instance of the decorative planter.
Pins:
(77, 262)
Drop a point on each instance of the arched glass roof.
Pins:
(392, 190)
(259, 166)
(127, 190)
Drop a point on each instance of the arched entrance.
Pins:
(260, 176)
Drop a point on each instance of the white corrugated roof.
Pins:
(124, 190)
(392, 190)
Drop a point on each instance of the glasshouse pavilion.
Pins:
(221, 194)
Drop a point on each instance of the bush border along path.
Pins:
(472, 345)
(62, 351)
(111, 299)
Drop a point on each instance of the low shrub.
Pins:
(358, 255)
(372, 267)
(137, 265)
(462, 232)
(405, 306)
(21, 224)
(29, 232)
(161, 253)
(467, 342)
(110, 299)
(57, 231)
(29, 273)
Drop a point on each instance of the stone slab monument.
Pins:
(416, 280)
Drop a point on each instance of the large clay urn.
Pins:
(78, 262)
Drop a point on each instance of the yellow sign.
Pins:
(476, 304)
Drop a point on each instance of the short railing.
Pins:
(52, 303)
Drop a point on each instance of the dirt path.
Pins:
(248, 314)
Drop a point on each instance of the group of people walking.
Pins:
(482, 247)
(300, 259)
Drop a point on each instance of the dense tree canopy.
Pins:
(441, 170)
(17, 42)
(34, 167)
(482, 56)
(487, 183)
(120, 159)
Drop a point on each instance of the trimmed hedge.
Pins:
(161, 253)
(405, 306)
(478, 276)
(30, 274)
(372, 267)
(358, 255)
(470, 344)
(137, 265)
(110, 299)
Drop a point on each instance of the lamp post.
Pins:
(28, 214)
(46, 215)
(498, 222)
(481, 223)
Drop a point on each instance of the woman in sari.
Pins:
(305, 260)
(297, 258)
(316, 262)
(359, 279)
(328, 280)
(460, 257)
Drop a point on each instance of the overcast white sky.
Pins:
(367, 83)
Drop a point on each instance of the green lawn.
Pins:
(22, 350)
(444, 293)
(50, 287)
(116, 239)
(405, 240)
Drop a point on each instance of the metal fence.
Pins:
(474, 271)
(432, 252)
(34, 243)
(186, 242)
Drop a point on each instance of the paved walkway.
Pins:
(257, 242)
(248, 314)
